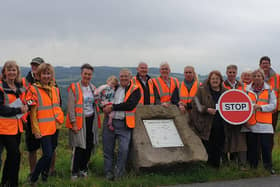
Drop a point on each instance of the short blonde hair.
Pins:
(113, 79)
(10, 64)
(43, 68)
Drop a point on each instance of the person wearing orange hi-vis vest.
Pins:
(33, 144)
(188, 89)
(260, 123)
(126, 98)
(235, 140)
(166, 88)
(145, 84)
(46, 114)
(11, 110)
(273, 79)
(83, 121)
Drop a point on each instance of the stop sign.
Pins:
(235, 106)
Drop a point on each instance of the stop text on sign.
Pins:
(236, 106)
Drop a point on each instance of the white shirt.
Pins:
(88, 101)
(263, 127)
(119, 98)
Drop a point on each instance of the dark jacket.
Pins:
(201, 120)
(5, 110)
(130, 103)
(145, 89)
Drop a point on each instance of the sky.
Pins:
(208, 35)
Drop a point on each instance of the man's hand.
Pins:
(107, 109)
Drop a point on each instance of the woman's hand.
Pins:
(182, 108)
(257, 107)
(24, 109)
(211, 111)
(75, 128)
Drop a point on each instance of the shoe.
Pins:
(74, 177)
(83, 174)
(110, 176)
(32, 183)
(29, 177)
(243, 168)
(44, 176)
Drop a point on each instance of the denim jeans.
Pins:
(123, 135)
(43, 164)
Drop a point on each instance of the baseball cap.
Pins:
(37, 60)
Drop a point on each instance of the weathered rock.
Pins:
(145, 156)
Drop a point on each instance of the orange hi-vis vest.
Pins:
(10, 125)
(240, 86)
(130, 115)
(79, 104)
(151, 90)
(164, 91)
(185, 95)
(259, 116)
(25, 86)
(48, 109)
(25, 83)
(274, 82)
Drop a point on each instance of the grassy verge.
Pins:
(196, 172)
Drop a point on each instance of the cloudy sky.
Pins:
(206, 34)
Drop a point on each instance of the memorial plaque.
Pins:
(163, 133)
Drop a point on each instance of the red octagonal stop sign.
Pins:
(235, 106)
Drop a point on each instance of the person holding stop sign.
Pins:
(206, 121)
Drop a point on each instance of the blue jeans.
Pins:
(43, 164)
(123, 135)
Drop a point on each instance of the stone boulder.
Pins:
(144, 155)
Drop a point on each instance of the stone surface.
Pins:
(145, 156)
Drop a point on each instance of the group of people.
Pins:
(33, 103)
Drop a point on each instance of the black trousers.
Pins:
(215, 145)
(82, 156)
(265, 141)
(12, 162)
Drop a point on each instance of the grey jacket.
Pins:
(79, 139)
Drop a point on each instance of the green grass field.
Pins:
(197, 172)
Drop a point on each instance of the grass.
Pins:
(190, 173)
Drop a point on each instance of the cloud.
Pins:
(206, 34)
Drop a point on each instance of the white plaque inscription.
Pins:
(163, 133)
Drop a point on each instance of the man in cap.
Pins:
(32, 143)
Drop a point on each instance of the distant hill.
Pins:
(66, 75)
